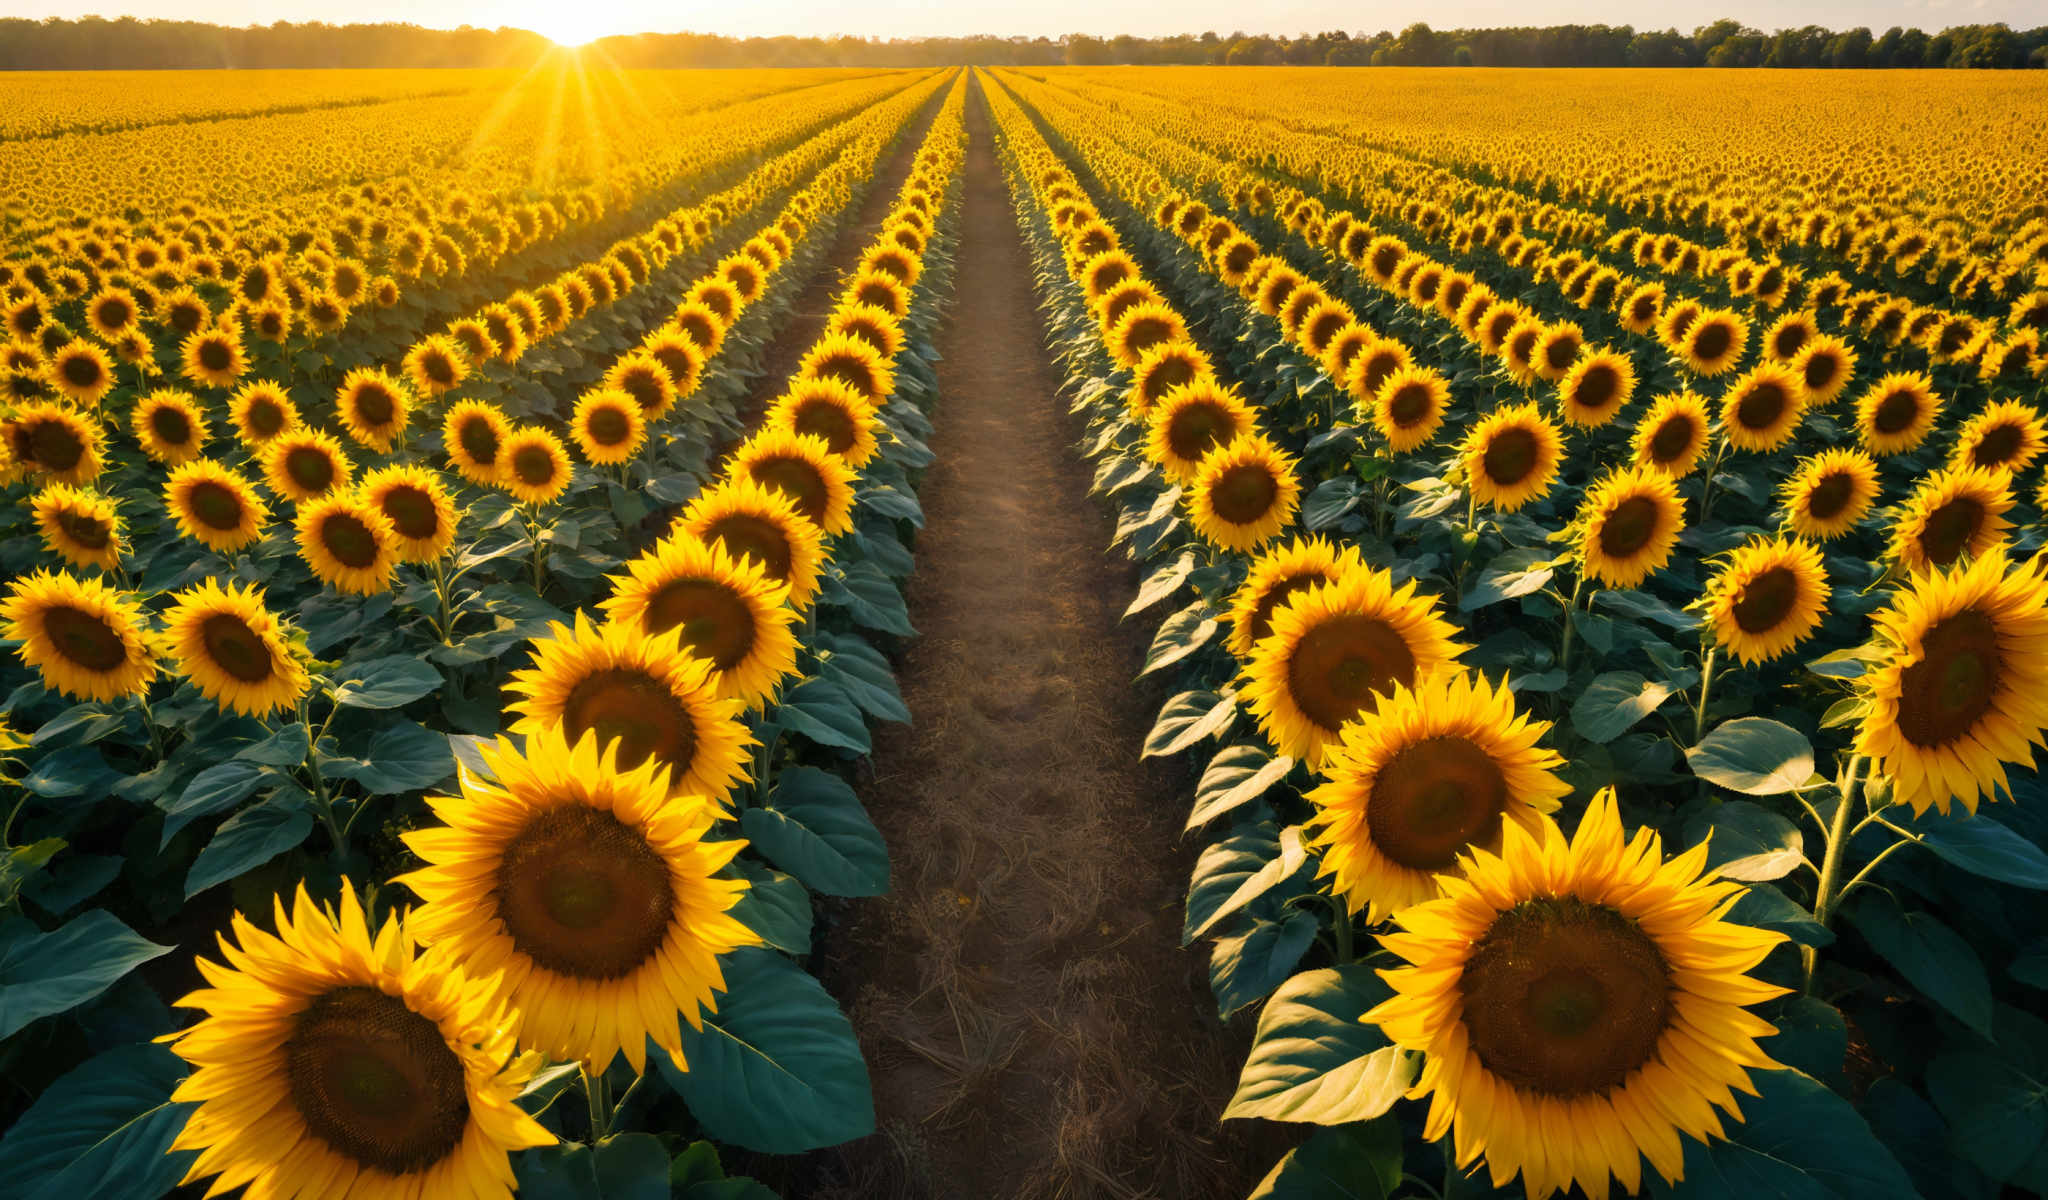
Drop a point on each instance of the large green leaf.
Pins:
(404, 757)
(820, 709)
(102, 1131)
(388, 682)
(42, 974)
(1180, 635)
(1341, 1162)
(814, 827)
(216, 789)
(1984, 846)
(1753, 755)
(1164, 581)
(855, 665)
(1244, 967)
(626, 1166)
(1236, 776)
(1187, 719)
(251, 838)
(1313, 1058)
(1615, 701)
(1749, 842)
(775, 906)
(1997, 1112)
(1514, 574)
(863, 590)
(1933, 958)
(1797, 1141)
(777, 1068)
(1208, 898)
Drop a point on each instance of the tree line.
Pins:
(95, 43)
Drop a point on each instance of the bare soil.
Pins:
(1034, 1028)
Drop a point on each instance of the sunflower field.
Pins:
(438, 629)
(1592, 544)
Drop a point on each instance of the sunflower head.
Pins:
(1190, 421)
(348, 542)
(1579, 1004)
(748, 520)
(1829, 494)
(678, 354)
(643, 377)
(1598, 386)
(804, 469)
(1672, 435)
(1825, 364)
(374, 408)
(333, 1051)
(609, 426)
(81, 527)
(1104, 271)
(853, 362)
(233, 649)
(88, 640)
(1557, 349)
(831, 410)
(214, 506)
(55, 441)
(535, 466)
(304, 464)
(1420, 780)
(1897, 413)
(214, 357)
(1511, 457)
(416, 502)
(1162, 369)
(724, 610)
(2005, 435)
(882, 290)
(437, 365)
(474, 433)
(1277, 575)
(1409, 407)
(597, 890)
(1373, 365)
(1141, 327)
(1628, 524)
(170, 426)
(81, 371)
(1954, 515)
(262, 411)
(1761, 410)
(1766, 598)
(1789, 336)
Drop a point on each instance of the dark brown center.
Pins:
(1244, 493)
(716, 623)
(85, 639)
(1956, 681)
(534, 466)
(1628, 527)
(1510, 456)
(1998, 446)
(1896, 412)
(412, 512)
(266, 416)
(1950, 529)
(1672, 439)
(1277, 595)
(1410, 405)
(235, 648)
(583, 895)
(1767, 600)
(1340, 664)
(215, 505)
(216, 355)
(798, 480)
(376, 1081)
(636, 712)
(170, 425)
(54, 446)
(349, 540)
(1433, 799)
(375, 406)
(310, 467)
(479, 440)
(608, 427)
(1713, 341)
(1197, 428)
(1831, 495)
(86, 530)
(762, 540)
(1763, 406)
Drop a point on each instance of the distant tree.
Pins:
(1348, 54)
(1851, 49)
(1461, 57)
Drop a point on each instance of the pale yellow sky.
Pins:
(575, 21)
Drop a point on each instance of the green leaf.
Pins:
(627, 1166)
(1645, 607)
(1997, 1113)
(814, 827)
(1187, 719)
(1797, 1140)
(42, 974)
(1313, 1059)
(1245, 967)
(1164, 581)
(103, 1131)
(1516, 573)
(854, 664)
(74, 771)
(737, 1188)
(777, 1068)
(405, 757)
(1766, 907)
(249, 839)
(284, 748)
(1287, 857)
(1328, 503)
(1932, 957)
(216, 789)
(388, 682)
(1615, 701)
(1753, 755)
(1180, 635)
(864, 591)
(1339, 1162)
(821, 710)
(1236, 776)
(1812, 1036)
(1984, 846)
(775, 906)
(1749, 842)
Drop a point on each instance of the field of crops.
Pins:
(458, 563)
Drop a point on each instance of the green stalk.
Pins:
(1824, 896)
(1699, 716)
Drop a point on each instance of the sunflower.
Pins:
(754, 522)
(1558, 347)
(233, 649)
(81, 371)
(881, 290)
(679, 356)
(1276, 576)
(804, 469)
(1955, 514)
(1190, 421)
(1641, 307)
(170, 426)
(2005, 434)
(213, 357)
(261, 411)
(348, 542)
(78, 526)
(374, 408)
(852, 362)
(418, 506)
(646, 698)
(305, 464)
(1789, 336)
(88, 640)
(1244, 493)
(335, 1060)
(474, 433)
(1162, 369)
(1825, 364)
(1335, 650)
(701, 325)
(214, 506)
(112, 313)
(1344, 349)
(1628, 523)
(642, 377)
(832, 410)
(1409, 407)
(1372, 366)
(1511, 456)
(56, 441)
(608, 426)
(1766, 598)
(1580, 1004)
(725, 610)
(1422, 779)
(1518, 350)
(1829, 494)
(1897, 413)
(1761, 410)
(436, 365)
(1962, 689)
(1141, 327)
(1672, 435)
(1713, 342)
(589, 890)
(536, 466)
(1104, 271)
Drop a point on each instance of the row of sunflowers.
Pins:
(505, 771)
(1591, 756)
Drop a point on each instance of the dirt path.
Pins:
(1033, 1026)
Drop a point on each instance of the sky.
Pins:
(576, 21)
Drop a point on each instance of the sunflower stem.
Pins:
(1824, 896)
(1341, 926)
(593, 1094)
(1564, 649)
(1699, 714)
(1707, 484)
